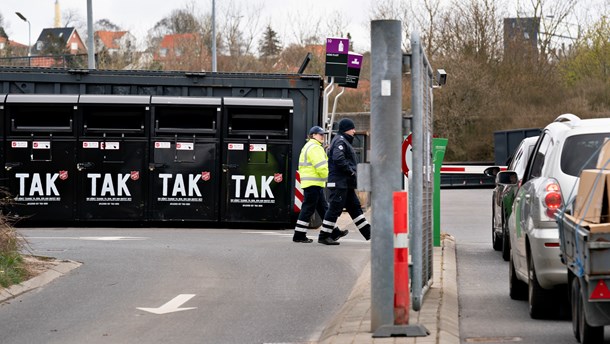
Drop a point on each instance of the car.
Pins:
(565, 147)
(507, 184)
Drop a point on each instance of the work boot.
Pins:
(366, 232)
(301, 237)
(325, 239)
(338, 234)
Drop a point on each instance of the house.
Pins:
(9, 48)
(59, 41)
(173, 47)
(113, 42)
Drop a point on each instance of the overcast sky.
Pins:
(138, 16)
(285, 16)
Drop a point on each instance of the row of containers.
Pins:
(153, 158)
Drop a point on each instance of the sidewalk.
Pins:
(439, 312)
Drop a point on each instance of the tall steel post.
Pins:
(386, 138)
(90, 46)
(214, 36)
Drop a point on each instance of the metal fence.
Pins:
(51, 61)
(421, 183)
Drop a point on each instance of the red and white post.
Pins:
(401, 259)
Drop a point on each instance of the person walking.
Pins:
(342, 185)
(313, 169)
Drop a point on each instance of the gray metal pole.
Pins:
(90, 47)
(416, 183)
(386, 137)
(213, 36)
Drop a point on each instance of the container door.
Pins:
(40, 152)
(112, 158)
(185, 159)
(257, 153)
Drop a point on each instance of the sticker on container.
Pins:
(236, 146)
(258, 147)
(19, 144)
(41, 145)
(184, 146)
(109, 145)
(162, 145)
(91, 144)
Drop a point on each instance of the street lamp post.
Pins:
(29, 31)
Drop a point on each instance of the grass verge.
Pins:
(13, 268)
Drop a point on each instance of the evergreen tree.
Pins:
(269, 46)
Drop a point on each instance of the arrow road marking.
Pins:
(172, 306)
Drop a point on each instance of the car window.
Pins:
(540, 155)
(581, 152)
(521, 160)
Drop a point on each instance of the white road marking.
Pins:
(171, 306)
(94, 238)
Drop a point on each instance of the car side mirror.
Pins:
(491, 171)
(507, 177)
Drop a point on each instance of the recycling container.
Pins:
(39, 156)
(2, 141)
(184, 167)
(112, 157)
(256, 159)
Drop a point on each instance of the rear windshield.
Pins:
(580, 152)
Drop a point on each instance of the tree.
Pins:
(106, 25)
(270, 45)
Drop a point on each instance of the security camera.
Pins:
(441, 77)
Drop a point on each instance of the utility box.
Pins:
(257, 160)
(112, 157)
(39, 152)
(184, 169)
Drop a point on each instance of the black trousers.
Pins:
(313, 199)
(340, 199)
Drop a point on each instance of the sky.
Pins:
(285, 16)
(138, 16)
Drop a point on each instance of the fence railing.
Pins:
(50, 61)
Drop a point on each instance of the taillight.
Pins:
(552, 199)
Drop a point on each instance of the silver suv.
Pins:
(564, 148)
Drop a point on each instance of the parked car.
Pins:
(507, 184)
(564, 148)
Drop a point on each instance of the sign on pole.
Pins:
(354, 64)
(336, 58)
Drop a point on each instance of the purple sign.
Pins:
(354, 61)
(337, 45)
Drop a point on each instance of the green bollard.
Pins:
(439, 146)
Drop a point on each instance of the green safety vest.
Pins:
(313, 164)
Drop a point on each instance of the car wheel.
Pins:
(536, 294)
(517, 288)
(496, 239)
(505, 242)
(576, 308)
(588, 334)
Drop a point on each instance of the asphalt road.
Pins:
(487, 313)
(238, 286)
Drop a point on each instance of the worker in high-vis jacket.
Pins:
(313, 169)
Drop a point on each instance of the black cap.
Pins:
(316, 130)
(346, 124)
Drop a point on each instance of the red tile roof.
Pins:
(110, 38)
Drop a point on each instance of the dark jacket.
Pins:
(342, 162)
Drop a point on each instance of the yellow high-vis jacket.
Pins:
(313, 164)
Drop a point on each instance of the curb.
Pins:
(449, 320)
(58, 269)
